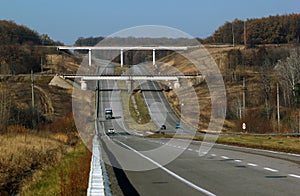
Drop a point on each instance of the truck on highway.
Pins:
(108, 113)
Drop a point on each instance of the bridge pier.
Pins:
(90, 57)
(153, 56)
(121, 58)
(83, 85)
(177, 84)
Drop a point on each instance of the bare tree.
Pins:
(5, 106)
(266, 83)
(288, 72)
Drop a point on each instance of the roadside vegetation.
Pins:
(26, 153)
(138, 108)
(277, 143)
(68, 177)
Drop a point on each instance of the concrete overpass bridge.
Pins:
(122, 49)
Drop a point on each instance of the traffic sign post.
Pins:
(244, 126)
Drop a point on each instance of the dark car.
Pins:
(111, 131)
(163, 127)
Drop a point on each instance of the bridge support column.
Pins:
(176, 84)
(131, 86)
(121, 57)
(83, 85)
(90, 57)
(153, 56)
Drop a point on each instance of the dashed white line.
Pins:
(252, 164)
(238, 161)
(224, 157)
(295, 176)
(206, 192)
(270, 169)
(213, 155)
(190, 149)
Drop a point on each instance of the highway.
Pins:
(174, 167)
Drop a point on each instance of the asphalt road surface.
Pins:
(224, 170)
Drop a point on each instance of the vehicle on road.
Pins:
(111, 131)
(108, 113)
(163, 127)
(177, 126)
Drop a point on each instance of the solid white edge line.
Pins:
(256, 149)
(270, 169)
(295, 176)
(169, 171)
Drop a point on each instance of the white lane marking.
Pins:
(252, 164)
(270, 169)
(295, 176)
(213, 155)
(238, 161)
(170, 172)
(190, 149)
(224, 157)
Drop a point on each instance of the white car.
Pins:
(111, 131)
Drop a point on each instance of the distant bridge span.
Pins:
(122, 48)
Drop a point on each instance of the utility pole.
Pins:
(41, 64)
(245, 34)
(232, 34)
(278, 112)
(32, 98)
(32, 91)
(299, 123)
(244, 97)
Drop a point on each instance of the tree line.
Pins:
(20, 49)
(267, 30)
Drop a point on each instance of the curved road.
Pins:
(224, 170)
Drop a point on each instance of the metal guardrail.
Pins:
(96, 181)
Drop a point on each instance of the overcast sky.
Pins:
(67, 20)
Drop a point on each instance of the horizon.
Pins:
(66, 22)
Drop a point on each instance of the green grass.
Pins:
(64, 178)
(276, 143)
(144, 115)
(129, 113)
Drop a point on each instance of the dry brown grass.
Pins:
(24, 151)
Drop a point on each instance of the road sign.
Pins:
(244, 126)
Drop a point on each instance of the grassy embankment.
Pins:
(68, 177)
(45, 162)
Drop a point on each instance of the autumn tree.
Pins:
(288, 72)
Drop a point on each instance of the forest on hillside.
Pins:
(20, 49)
(268, 30)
